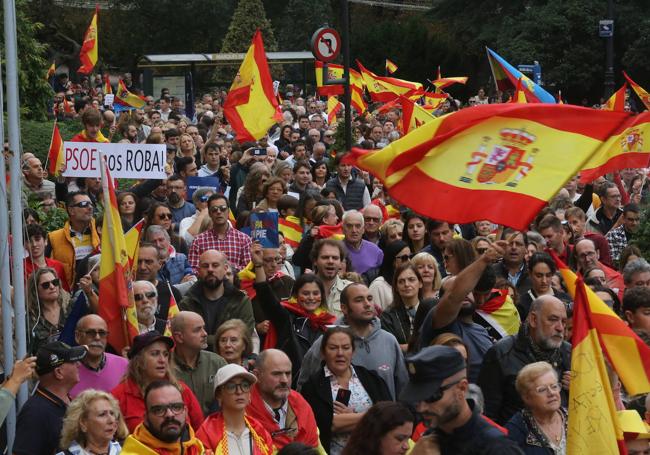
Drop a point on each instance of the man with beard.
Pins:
(146, 307)
(195, 366)
(98, 369)
(215, 298)
(438, 386)
(165, 428)
(540, 339)
(282, 411)
(179, 206)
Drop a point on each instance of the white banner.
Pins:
(125, 161)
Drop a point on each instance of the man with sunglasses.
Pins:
(146, 306)
(438, 387)
(78, 238)
(372, 219)
(98, 369)
(165, 428)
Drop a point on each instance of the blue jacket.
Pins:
(528, 440)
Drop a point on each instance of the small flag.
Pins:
(132, 239)
(90, 47)
(67, 106)
(519, 95)
(56, 156)
(172, 311)
(107, 88)
(616, 102)
(50, 72)
(333, 108)
(390, 67)
(443, 82)
(385, 89)
(123, 97)
(640, 91)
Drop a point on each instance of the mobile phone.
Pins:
(259, 151)
(343, 396)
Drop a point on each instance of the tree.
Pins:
(300, 20)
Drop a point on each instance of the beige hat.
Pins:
(232, 370)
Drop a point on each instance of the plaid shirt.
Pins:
(617, 239)
(236, 246)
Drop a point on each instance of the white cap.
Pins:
(232, 370)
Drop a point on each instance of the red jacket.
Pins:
(128, 394)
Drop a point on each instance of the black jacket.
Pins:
(318, 393)
(396, 321)
(501, 364)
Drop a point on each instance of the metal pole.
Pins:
(346, 74)
(5, 277)
(609, 49)
(13, 122)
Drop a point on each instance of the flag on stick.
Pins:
(506, 77)
(50, 72)
(443, 82)
(132, 239)
(640, 91)
(107, 87)
(123, 97)
(616, 102)
(90, 47)
(56, 156)
(390, 67)
(386, 89)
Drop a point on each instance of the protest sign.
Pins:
(126, 161)
(193, 183)
(264, 229)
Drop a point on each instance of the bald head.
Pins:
(92, 332)
(269, 356)
(184, 319)
(212, 269)
(273, 371)
(188, 331)
(93, 320)
(547, 321)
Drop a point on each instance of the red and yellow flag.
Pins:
(56, 156)
(107, 87)
(172, 311)
(640, 91)
(90, 47)
(390, 67)
(335, 71)
(593, 425)
(333, 108)
(616, 102)
(511, 154)
(132, 239)
(385, 89)
(443, 82)
(67, 106)
(627, 147)
(123, 97)
(251, 106)
(626, 352)
(326, 231)
(116, 303)
(433, 101)
(50, 72)
(291, 229)
(519, 95)
(413, 115)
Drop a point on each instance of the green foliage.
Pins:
(52, 219)
(36, 135)
(299, 21)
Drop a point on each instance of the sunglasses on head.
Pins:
(441, 391)
(82, 204)
(54, 283)
(150, 295)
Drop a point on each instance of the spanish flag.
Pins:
(127, 99)
(251, 106)
(413, 115)
(593, 426)
(116, 303)
(519, 95)
(326, 231)
(132, 239)
(291, 229)
(172, 311)
(90, 46)
(335, 71)
(443, 82)
(501, 313)
(50, 72)
(432, 101)
(625, 148)
(616, 102)
(56, 155)
(640, 91)
(626, 352)
(386, 89)
(511, 154)
(333, 108)
(107, 87)
(390, 67)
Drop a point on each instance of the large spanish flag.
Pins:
(251, 105)
(593, 426)
(628, 147)
(506, 77)
(116, 303)
(126, 99)
(643, 95)
(335, 71)
(626, 352)
(90, 47)
(56, 156)
(516, 156)
(616, 102)
(386, 89)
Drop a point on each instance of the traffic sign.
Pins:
(326, 44)
(606, 28)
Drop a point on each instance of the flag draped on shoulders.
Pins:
(512, 155)
(90, 47)
(56, 155)
(116, 303)
(506, 77)
(251, 106)
(643, 95)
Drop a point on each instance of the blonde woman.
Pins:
(93, 424)
(428, 269)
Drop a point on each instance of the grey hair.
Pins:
(148, 283)
(157, 229)
(634, 267)
(199, 192)
(350, 213)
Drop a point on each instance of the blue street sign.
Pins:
(534, 72)
(606, 28)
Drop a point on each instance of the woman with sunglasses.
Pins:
(160, 214)
(48, 306)
(395, 254)
(340, 393)
(231, 431)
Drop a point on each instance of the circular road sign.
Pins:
(326, 44)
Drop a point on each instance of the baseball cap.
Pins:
(428, 368)
(232, 370)
(55, 354)
(146, 339)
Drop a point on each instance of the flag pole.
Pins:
(345, 12)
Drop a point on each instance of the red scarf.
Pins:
(213, 435)
(318, 320)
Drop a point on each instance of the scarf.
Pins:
(552, 356)
(318, 320)
(326, 231)
(100, 137)
(247, 279)
(213, 433)
(189, 444)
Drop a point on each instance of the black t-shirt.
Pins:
(38, 429)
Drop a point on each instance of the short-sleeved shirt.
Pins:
(38, 429)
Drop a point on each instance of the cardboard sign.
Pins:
(125, 161)
(193, 183)
(108, 99)
(264, 229)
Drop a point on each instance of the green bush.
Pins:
(36, 136)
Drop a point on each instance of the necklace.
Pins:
(553, 431)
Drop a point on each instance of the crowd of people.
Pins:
(371, 329)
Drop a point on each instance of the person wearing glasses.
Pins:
(395, 254)
(231, 431)
(146, 307)
(160, 214)
(149, 361)
(99, 369)
(165, 428)
(48, 306)
(78, 238)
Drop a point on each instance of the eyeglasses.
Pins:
(329, 135)
(150, 295)
(441, 391)
(82, 204)
(218, 208)
(371, 219)
(54, 283)
(92, 333)
(481, 250)
(403, 257)
(160, 410)
(541, 390)
(165, 216)
(231, 387)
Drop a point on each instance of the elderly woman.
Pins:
(428, 269)
(146, 306)
(541, 427)
(272, 191)
(149, 361)
(92, 425)
(340, 393)
(48, 307)
(230, 430)
(233, 342)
